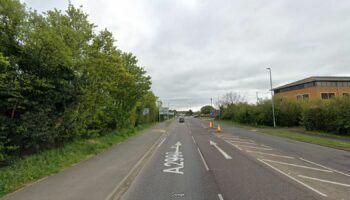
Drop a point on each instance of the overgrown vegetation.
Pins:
(60, 80)
(322, 115)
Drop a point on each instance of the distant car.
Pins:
(181, 120)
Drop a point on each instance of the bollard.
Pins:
(211, 125)
(218, 130)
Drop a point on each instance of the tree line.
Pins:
(61, 80)
(331, 115)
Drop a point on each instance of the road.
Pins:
(191, 161)
(195, 162)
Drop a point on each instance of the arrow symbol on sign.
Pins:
(220, 150)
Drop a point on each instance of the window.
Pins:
(327, 95)
(303, 97)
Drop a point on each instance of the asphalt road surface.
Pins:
(191, 161)
(195, 162)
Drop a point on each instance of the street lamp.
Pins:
(273, 104)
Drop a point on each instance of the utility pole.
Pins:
(211, 102)
(273, 104)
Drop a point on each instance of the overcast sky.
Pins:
(201, 49)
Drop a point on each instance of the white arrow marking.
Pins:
(177, 147)
(220, 150)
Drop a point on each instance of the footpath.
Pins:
(103, 177)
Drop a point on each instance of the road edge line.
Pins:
(117, 193)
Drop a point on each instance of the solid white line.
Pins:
(161, 142)
(295, 165)
(325, 181)
(270, 154)
(291, 177)
(193, 140)
(237, 147)
(262, 148)
(220, 197)
(110, 195)
(324, 167)
(227, 157)
(205, 163)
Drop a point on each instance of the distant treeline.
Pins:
(61, 80)
(320, 115)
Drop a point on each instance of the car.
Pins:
(181, 120)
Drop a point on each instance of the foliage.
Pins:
(329, 116)
(60, 80)
(206, 109)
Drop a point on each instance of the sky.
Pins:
(195, 50)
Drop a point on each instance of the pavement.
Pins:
(192, 161)
(98, 178)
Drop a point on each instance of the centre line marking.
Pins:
(291, 177)
(270, 154)
(161, 142)
(220, 197)
(325, 167)
(295, 165)
(205, 163)
(262, 148)
(325, 181)
(193, 140)
(220, 150)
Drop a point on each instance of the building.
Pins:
(315, 87)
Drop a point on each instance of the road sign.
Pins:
(212, 114)
(145, 111)
(164, 110)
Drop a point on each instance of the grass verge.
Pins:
(324, 139)
(37, 166)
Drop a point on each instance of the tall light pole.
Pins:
(273, 104)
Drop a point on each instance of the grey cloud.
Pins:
(198, 49)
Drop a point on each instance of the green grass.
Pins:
(37, 166)
(320, 138)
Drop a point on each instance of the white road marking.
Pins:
(295, 165)
(174, 160)
(243, 142)
(220, 197)
(325, 167)
(262, 148)
(270, 154)
(220, 150)
(291, 177)
(325, 181)
(205, 163)
(161, 142)
(193, 140)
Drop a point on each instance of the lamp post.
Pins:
(273, 104)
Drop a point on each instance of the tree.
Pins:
(189, 112)
(206, 109)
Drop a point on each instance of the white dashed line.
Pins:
(262, 148)
(325, 181)
(325, 167)
(194, 141)
(242, 142)
(270, 154)
(205, 163)
(220, 197)
(291, 177)
(295, 165)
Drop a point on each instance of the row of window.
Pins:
(315, 83)
(325, 95)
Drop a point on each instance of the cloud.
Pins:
(198, 49)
